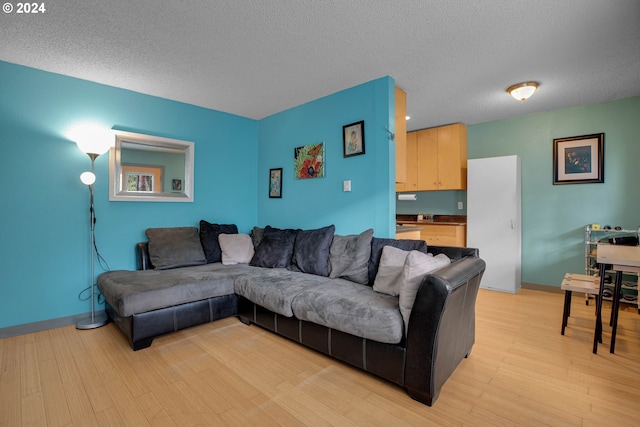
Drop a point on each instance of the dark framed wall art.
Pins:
(275, 183)
(578, 159)
(353, 139)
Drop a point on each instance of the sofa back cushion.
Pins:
(349, 257)
(209, 239)
(311, 251)
(174, 247)
(376, 251)
(275, 249)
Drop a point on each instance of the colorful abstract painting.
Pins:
(309, 161)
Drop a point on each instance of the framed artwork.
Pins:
(176, 185)
(578, 159)
(142, 179)
(275, 183)
(353, 139)
(309, 161)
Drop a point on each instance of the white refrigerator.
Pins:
(494, 210)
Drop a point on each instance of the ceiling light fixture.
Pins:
(522, 91)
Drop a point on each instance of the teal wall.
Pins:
(44, 224)
(554, 216)
(313, 203)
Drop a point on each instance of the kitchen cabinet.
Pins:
(411, 181)
(401, 135)
(436, 159)
(444, 235)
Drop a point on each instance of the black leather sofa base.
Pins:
(141, 329)
(383, 360)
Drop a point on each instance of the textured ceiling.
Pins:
(255, 58)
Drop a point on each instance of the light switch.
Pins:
(460, 205)
(346, 185)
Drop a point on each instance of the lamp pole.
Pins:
(95, 321)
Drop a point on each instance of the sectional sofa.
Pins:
(395, 308)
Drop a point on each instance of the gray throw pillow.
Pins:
(377, 244)
(349, 257)
(276, 248)
(174, 247)
(256, 236)
(311, 251)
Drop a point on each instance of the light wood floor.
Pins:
(521, 372)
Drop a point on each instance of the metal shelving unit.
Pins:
(629, 280)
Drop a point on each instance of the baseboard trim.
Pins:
(544, 288)
(44, 325)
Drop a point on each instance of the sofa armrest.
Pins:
(441, 328)
(144, 262)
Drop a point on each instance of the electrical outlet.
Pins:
(460, 205)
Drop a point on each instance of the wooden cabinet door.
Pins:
(427, 143)
(452, 157)
(401, 135)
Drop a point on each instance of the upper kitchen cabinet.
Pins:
(440, 162)
(411, 181)
(401, 135)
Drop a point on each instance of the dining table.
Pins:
(620, 259)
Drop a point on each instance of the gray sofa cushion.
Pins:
(349, 257)
(275, 289)
(311, 251)
(275, 249)
(174, 247)
(376, 251)
(352, 308)
(133, 292)
(209, 239)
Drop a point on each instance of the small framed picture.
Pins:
(275, 183)
(176, 185)
(578, 159)
(353, 139)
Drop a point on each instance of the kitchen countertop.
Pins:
(437, 220)
(407, 228)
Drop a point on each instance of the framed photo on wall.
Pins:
(578, 159)
(353, 139)
(275, 183)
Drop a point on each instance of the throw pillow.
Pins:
(349, 257)
(236, 248)
(174, 247)
(276, 248)
(256, 236)
(415, 267)
(389, 273)
(209, 238)
(311, 251)
(377, 244)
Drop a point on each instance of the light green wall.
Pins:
(554, 216)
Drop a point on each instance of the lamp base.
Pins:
(93, 322)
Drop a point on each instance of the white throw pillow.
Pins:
(389, 274)
(236, 248)
(416, 265)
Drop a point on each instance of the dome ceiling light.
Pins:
(522, 91)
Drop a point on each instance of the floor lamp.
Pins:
(93, 147)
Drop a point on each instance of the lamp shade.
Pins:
(522, 91)
(87, 178)
(91, 138)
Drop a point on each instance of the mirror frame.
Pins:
(116, 187)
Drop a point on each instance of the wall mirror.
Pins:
(147, 168)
